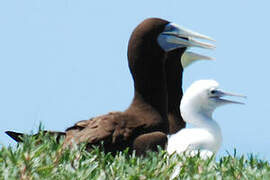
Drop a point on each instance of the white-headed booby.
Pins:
(197, 106)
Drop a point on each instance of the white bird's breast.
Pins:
(193, 139)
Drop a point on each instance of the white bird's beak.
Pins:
(218, 94)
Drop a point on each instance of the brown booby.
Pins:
(144, 124)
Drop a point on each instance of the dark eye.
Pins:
(213, 91)
(169, 28)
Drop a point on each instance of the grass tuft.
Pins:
(47, 160)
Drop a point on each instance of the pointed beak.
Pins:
(219, 94)
(182, 36)
(174, 37)
(190, 57)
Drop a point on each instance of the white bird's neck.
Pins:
(198, 115)
(203, 119)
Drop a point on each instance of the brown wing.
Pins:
(115, 128)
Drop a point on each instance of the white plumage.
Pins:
(197, 107)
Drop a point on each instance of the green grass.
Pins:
(32, 160)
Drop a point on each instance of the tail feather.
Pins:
(14, 135)
(18, 137)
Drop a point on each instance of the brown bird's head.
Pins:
(143, 41)
(154, 38)
(157, 55)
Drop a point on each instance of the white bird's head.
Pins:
(204, 96)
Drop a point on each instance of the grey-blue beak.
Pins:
(181, 37)
(218, 95)
(174, 37)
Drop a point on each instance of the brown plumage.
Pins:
(145, 121)
(18, 137)
(144, 124)
(154, 112)
(174, 74)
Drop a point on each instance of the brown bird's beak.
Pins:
(175, 36)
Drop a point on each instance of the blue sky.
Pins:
(65, 61)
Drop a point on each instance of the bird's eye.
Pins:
(213, 91)
(169, 28)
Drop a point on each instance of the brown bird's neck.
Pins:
(147, 65)
(149, 113)
(150, 88)
(174, 71)
(151, 85)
